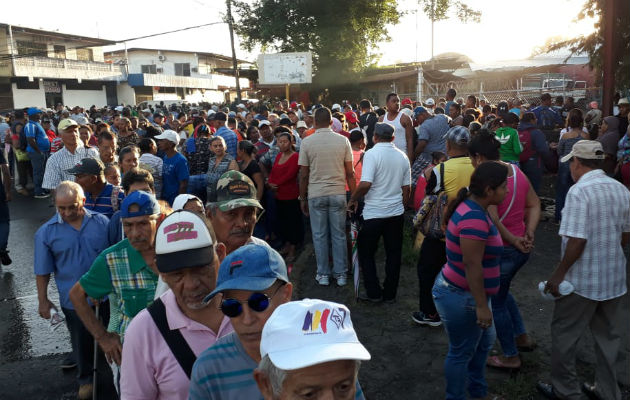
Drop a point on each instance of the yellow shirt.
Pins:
(457, 172)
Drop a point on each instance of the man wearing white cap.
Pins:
(72, 152)
(163, 341)
(310, 348)
(175, 172)
(595, 228)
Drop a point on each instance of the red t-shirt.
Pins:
(286, 177)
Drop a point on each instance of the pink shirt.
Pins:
(514, 221)
(358, 166)
(149, 370)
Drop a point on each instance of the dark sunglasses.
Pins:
(258, 302)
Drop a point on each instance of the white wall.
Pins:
(28, 97)
(139, 58)
(126, 94)
(84, 98)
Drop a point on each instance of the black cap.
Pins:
(88, 166)
(158, 114)
(286, 122)
(220, 116)
(384, 130)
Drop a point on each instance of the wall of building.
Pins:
(84, 98)
(28, 97)
(147, 57)
(71, 53)
(126, 94)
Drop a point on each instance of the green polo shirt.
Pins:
(121, 270)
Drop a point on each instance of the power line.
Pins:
(5, 57)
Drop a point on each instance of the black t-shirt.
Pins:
(251, 169)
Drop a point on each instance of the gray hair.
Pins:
(69, 189)
(215, 138)
(277, 376)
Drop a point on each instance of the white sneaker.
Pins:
(323, 280)
(342, 280)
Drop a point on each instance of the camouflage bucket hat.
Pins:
(235, 190)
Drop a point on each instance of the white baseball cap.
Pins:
(301, 124)
(335, 107)
(264, 122)
(241, 105)
(183, 240)
(119, 108)
(430, 102)
(168, 135)
(303, 333)
(181, 200)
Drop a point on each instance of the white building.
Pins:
(42, 68)
(154, 74)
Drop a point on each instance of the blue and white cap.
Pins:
(458, 135)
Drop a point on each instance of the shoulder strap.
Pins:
(507, 210)
(442, 188)
(114, 198)
(174, 339)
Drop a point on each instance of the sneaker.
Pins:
(323, 280)
(342, 280)
(368, 299)
(68, 363)
(42, 196)
(4, 257)
(85, 391)
(421, 318)
(23, 192)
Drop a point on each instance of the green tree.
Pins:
(592, 44)
(439, 10)
(339, 34)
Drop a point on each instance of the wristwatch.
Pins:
(301, 199)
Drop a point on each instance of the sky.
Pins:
(509, 29)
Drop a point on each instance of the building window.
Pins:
(60, 51)
(182, 69)
(85, 55)
(149, 69)
(167, 90)
(32, 49)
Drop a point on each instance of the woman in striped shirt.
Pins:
(470, 276)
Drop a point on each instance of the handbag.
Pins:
(429, 218)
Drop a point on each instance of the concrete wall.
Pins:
(84, 98)
(146, 57)
(28, 97)
(126, 94)
(71, 53)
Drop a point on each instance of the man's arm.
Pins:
(349, 169)
(183, 186)
(422, 144)
(31, 141)
(359, 192)
(574, 249)
(109, 341)
(405, 121)
(303, 181)
(42, 296)
(406, 192)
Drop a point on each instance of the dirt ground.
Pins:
(407, 359)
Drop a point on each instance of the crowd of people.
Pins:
(174, 229)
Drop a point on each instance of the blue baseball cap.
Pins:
(419, 110)
(33, 111)
(253, 267)
(146, 202)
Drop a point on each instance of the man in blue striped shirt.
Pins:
(252, 283)
(100, 196)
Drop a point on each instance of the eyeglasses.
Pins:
(258, 302)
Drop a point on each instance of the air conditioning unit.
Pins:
(161, 57)
(194, 69)
(159, 70)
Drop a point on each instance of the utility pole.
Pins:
(234, 63)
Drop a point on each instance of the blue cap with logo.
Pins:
(253, 267)
(419, 110)
(146, 202)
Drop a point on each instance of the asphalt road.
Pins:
(30, 353)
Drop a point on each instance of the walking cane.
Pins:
(95, 360)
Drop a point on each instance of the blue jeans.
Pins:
(38, 161)
(328, 224)
(468, 344)
(507, 317)
(563, 185)
(4, 234)
(197, 186)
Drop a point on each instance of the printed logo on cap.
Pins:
(235, 265)
(239, 188)
(317, 323)
(180, 231)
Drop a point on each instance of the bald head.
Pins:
(69, 190)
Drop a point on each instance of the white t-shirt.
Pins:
(387, 168)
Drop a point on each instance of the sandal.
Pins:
(496, 362)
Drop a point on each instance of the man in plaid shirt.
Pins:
(127, 269)
(595, 227)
